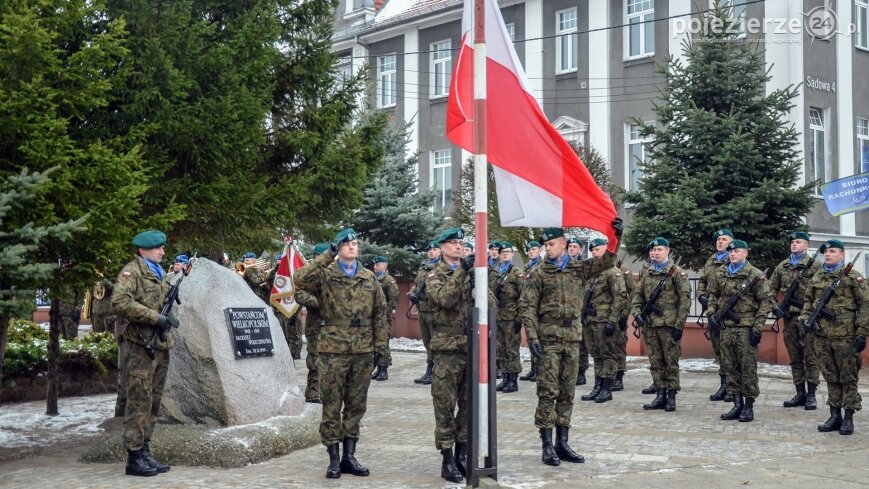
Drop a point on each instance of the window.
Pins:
(861, 21)
(442, 177)
(640, 15)
(863, 144)
(819, 169)
(636, 155)
(566, 41)
(736, 11)
(441, 67)
(511, 31)
(345, 69)
(387, 81)
(358, 4)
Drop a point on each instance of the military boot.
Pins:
(137, 465)
(511, 386)
(505, 379)
(549, 456)
(146, 454)
(598, 382)
(498, 372)
(562, 449)
(462, 458)
(722, 390)
(334, 470)
(532, 372)
(747, 413)
(605, 393)
(834, 422)
(618, 384)
(658, 402)
(799, 399)
(735, 411)
(349, 465)
(811, 401)
(670, 404)
(580, 379)
(847, 427)
(449, 471)
(383, 374)
(651, 389)
(376, 373)
(426, 377)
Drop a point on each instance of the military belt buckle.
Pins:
(355, 322)
(567, 323)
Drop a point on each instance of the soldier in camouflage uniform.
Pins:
(71, 302)
(574, 250)
(101, 307)
(804, 362)
(739, 340)
(507, 285)
(467, 249)
(722, 238)
(390, 292)
(622, 333)
(840, 341)
(532, 249)
(353, 338)
(494, 255)
(426, 318)
(313, 323)
(663, 334)
(550, 308)
(138, 297)
(609, 302)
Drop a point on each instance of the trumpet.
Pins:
(259, 263)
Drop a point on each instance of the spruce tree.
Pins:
(723, 155)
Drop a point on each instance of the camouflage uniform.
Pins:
(712, 265)
(622, 333)
(610, 300)
(675, 300)
(138, 297)
(313, 323)
(258, 282)
(101, 309)
(390, 293)
(425, 308)
(70, 313)
(354, 328)
(507, 288)
(119, 327)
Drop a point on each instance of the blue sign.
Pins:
(846, 195)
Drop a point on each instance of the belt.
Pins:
(347, 322)
(449, 330)
(844, 315)
(566, 323)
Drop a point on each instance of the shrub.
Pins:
(27, 351)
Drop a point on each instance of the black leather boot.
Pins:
(670, 403)
(747, 413)
(728, 397)
(735, 411)
(847, 427)
(349, 465)
(505, 379)
(549, 456)
(811, 401)
(598, 383)
(462, 458)
(137, 465)
(426, 377)
(658, 402)
(580, 379)
(606, 391)
(532, 372)
(722, 390)
(799, 399)
(146, 454)
(383, 374)
(834, 422)
(562, 449)
(334, 470)
(449, 471)
(512, 385)
(375, 373)
(650, 390)
(618, 384)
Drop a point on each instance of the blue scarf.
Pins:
(733, 269)
(796, 257)
(721, 255)
(492, 261)
(379, 274)
(658, 266)
(156, 268)
(561, 262)
(534, 262)
(504, 267)
(431, 261)
(454, 266)
(350, 270)
(830, 268)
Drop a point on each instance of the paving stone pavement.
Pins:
(624, 446)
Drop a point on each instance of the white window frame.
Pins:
(862, 143)
(646, 21)
(440, 68)
(345, 68)
(387, 81)
(739, 13)
(511, 31)
(818, 132)
(861, 22)
(632, 137)
(563, 34)
(441, 160)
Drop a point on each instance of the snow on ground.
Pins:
(25, 424)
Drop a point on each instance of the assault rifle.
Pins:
(171, 299)
(416, 298)
(727, 313)
(503, 279)
(588, 310)
(790, 298)
(644, 318)
(821, 312)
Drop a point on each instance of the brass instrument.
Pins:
(260, 263)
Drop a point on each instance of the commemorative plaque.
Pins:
(250, 332)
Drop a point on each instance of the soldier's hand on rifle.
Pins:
(165, 323)
(777, 312)
(468, 262)
(536, 350)
(704, 300)
(754, 337)
(618, 227)
(808, 328)
(623, 323)
(641, 320)
(860, 343)
(676, 334)
(714, 323)
(517, 326)
(414, 299)
(609, 329)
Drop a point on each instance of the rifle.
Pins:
(171, 299)
(790, 298)
(821, 312)
(726, 313)
(415, 299)
(621, 260)
(503, 279)
(588, 310)
(644, 318)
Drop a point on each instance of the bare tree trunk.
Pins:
(4, 329)
(53, 357)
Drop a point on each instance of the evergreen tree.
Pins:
(722, 155)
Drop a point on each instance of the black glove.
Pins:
(468, 262)
(536, 350)
(676, 334)
(859, 343)
(777, 312)
(754, 337)
(623, 323)
(807, 328)
(377, 357)
(714, 323)
(165, 323)
(704, 300)
(472, 278)
(517, 326)
(609, 329)
(333, 249)
(414, 299)
(641, 320)
(618, 226)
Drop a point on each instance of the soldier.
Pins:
(622, 333)
(574, 251)
(840, 341)
(418, 296)
(739, 339)
(608, 302)
(804, 362)
(390, 292)
(256, 278)
(663, 334)
(178, 264)
(71, 302)
(354, 334)
(507, 288)
(101, 307)
(722, 238)
(494, 254)
(532, 249)
(313, 323)
(138, 297)
(467, 249)
(550, 307)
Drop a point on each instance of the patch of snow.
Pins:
(25, 424)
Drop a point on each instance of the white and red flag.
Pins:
(540, 181)
(283, 290)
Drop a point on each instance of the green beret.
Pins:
(506, 245)
(551, 233)
(494, 244)
(532, 244)
(572, 240)
(432, 245)
(800, 235)
(321, 248)
(659, 241)
(451, 233)
(468, 245)
(381, 259)
(833, 243)
(345, 236)
(737, 244)
(598, 242)
(149, 239)
(722, 232)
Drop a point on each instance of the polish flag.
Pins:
(283, 292)
(540, 181)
